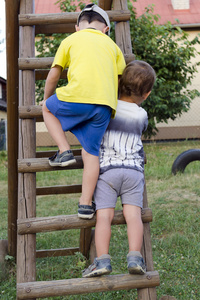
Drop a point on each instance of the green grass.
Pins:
(174, 201)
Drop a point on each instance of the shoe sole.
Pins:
(62, 164)
(81, 216)
(95, 273)
(136, 270)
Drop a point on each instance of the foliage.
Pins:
(167, 48)
(169, 51)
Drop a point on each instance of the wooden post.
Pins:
(122, 31)
(85, 241)
(12, 45)
(105, 4)
(147, 293)
(26, 244)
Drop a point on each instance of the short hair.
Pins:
(91, 16)
(137, 79)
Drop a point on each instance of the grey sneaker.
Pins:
(136, 264)
(100, 266)
(86, 211)
(62, 160)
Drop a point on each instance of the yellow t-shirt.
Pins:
(94, 62)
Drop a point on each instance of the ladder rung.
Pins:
(42, 74)
(59, 189)
(67, 18)
(32, 63)
(67, 222)
(48, 153)
(30, 111)
(56, 252)
(31, 165)
(75, 286)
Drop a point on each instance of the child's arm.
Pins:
(51, 82)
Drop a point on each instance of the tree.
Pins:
(169, 51)
(166, 48)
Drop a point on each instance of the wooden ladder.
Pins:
(30, 162)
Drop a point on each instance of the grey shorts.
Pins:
(126, 183)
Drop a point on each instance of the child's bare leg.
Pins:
(133, 219)
(103, 230)
(55, 129)
(135, 262)
(102, 263)
(90, 176)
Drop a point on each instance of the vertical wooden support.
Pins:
(85, 241)
(123, 40)
(147, 293)
(12, 45)
(105, 4)
(122, 30)
(26, 244)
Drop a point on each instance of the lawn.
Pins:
(174, 201)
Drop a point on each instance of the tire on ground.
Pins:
(184, 159)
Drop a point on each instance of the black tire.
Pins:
(184, 159)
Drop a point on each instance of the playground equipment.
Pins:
(184, 159)
(23, 224)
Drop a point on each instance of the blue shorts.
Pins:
(126, 183)
(88, 122)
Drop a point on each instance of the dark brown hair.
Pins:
(91, 16)
(137, 79)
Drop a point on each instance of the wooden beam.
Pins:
(31, 165)
(55, 28)
(85, 241)
(30, 111)
(105, 4)
(76, 286)
(26, 245)
(31, 63)
(49, 153)
(56, 252)
(42, 74)
(67, 18)
(67, 222)
(12, 46)
(59, 189)
(147, 293)
(122, 29)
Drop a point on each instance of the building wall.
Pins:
(188, 124)
(3, 115)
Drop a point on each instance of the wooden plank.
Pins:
(67, 18)
(32, 63)
(12, 46)
(59, 189)
(76, 286)
(31, 165)
(67, 222)
(56, 252)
